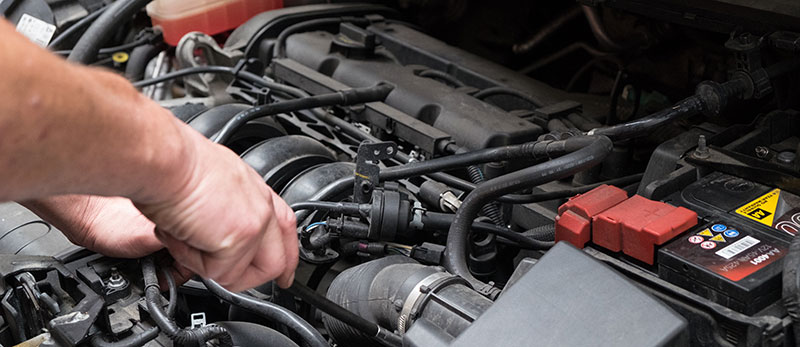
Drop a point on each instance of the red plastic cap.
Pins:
(594, 201)
(573, 223)
(572, 228)
(610, 220)
(638, 224)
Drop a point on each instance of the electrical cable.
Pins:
(271, 311)
(180, 336)
(331, 308)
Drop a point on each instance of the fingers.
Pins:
(248, 261)
(227, 225)
(289, 230)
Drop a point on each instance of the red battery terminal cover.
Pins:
(606, 216)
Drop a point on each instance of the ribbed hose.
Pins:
(180, 336)
(594, 150)
(85, 51)
(492, 209)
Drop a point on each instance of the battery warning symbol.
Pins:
(763, 208)
(759, 213)
(718, 238)
(705, 232)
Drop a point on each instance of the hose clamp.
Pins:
(424, 291)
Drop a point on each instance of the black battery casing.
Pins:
(742, 272)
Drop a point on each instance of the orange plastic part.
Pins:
(178, 17)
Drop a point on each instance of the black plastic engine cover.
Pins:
(471, 122)
(570, 299)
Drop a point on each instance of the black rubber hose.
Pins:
(66, 34)
(343, 98)
(331, 308)
(123, 47)
(532, 150)
(173, 292)
(642, 126)
(791, 286)
(85, 51)
(438, 221)
(566, 193)
(137, 61)
(492, 91)
(545, 232)
(135, 340)
(180, 336)
(595, 149)
(280, 42)
(268, 310)
(350, 208)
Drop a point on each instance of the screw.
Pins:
(702, 148)
(762, 152)
(389, 150)
(116, 280)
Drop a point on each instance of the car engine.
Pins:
(463, 173)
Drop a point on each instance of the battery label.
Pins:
(731, 252)
(738, 247)
(776, 209)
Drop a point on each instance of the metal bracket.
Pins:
(367, 174)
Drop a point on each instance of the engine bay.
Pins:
(616, 172)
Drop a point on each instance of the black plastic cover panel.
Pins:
(570, 299)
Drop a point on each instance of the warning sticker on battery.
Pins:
(776, 209)
(732, 252)
(762, 210)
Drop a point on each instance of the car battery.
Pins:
(734, 256)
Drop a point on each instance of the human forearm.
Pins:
(71, 129)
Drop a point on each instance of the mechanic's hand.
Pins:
(107, 225)
(224, 223)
